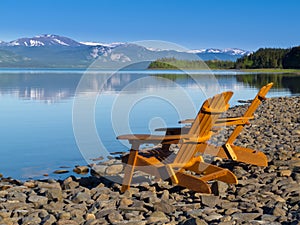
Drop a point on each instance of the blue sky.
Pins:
(191, 23)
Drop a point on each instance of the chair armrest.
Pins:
(231, 121)
(225, 121)
(186, 121)
(146, 138)
(174, 130)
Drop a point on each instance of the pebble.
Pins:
(81, 169)
(285, 173)
(60, 171)
(269, 195)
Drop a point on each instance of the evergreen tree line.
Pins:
(262, 58)
(271, 58)
(173, 63)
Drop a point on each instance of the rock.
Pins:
(213, 217)
(49, 220)
(60, 171)
(70, 184)
(54, 194)
(193, 221)
(4, 214)
(64, 216)
(246, 216)
(104, 212)
(229, 205)
(114, 169)
(81, 169)
(98, 170)
(90, 216)
(38, 200)
(20, 213)
(29, 184)
(164, 207)
(219, 188)
(210, 200)
(115, 217)
(157, 216)
(269, 218)
(81, 197)
(279, 211)
(125, 202)
(67, 222)
(285, 173)
(232, 211)
(32, 219)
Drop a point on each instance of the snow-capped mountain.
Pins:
(50, 50)
(230, 51)
(3, 43)
(110, 45)
(45, 40)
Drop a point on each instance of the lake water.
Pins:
(48, 116)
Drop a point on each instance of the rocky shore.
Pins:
(264, 195)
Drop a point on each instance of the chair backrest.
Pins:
(261, 95)
(203, 123)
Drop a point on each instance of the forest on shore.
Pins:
(275, 58)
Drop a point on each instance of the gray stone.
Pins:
(210, 200)
(81, 197)
(232, 211)
(67, 222)
(267, 217)
(81, 169)
(279, 211)
(49, 220)
(32, 219)
(98, 170)
(60, 171)
(193, 221)
(213, 217)
(219, 188)
(64, 215)
(38, 200)
(157, 216)
(246, 216)
(164, 207)
(104, 212)
(115, 217)
(229, 205)
(114, 169)
(4, 214)
(54, 194)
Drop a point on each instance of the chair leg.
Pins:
(192, 182)
(211, 172)
(129, 168)
(245, 155)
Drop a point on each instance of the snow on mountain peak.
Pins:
(109, 45)
(45, 40)
(230, 51)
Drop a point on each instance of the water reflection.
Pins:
(281, 81)
(54, 87)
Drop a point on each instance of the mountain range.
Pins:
(62, 52)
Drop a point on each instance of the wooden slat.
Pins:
(193, 183)
(253, 106)
(245, 155)
(202, 125)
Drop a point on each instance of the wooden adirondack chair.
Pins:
(185, 159)
(229, 150)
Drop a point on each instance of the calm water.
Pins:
(37, 107)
